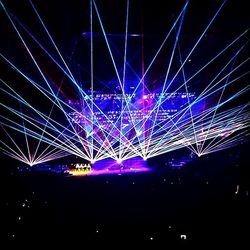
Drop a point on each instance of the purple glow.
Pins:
(111, 167)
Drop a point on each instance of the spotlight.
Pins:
(92, 161)
(119, 161)
(145, 158)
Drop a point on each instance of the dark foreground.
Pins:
(204, 203)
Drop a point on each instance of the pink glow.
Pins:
(110, 166)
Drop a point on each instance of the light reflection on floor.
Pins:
(110, 166)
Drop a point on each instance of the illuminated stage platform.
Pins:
(111, 167)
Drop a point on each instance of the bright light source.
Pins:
(139, 132)
(183, 236)
(119, 161)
